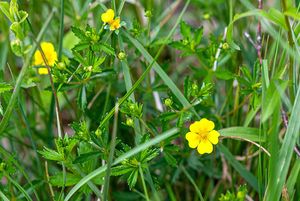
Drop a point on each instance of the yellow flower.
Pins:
(115, 24)
(108, 16)
(202, 135)
(50, 54)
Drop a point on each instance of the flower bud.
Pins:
(121, 55)
(148, 14)
(225, 46)
(61, 66)
(168, 102)
(129, 122)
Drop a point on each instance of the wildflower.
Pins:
(202, 135)
(109, 18)
(50, 56)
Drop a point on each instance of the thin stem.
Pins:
(111, 154)
(291, 43)
(61, 29)
(193, 183)
(143, 183)
(147, 127)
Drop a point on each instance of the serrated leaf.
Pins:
(79, 33)
(86, 157)
(185, 30)
(103, 47)
(4, 87)
(71, 179)
(121, 170)
(51, 154)
(132, 179)
(171, 160)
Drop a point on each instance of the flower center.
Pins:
(203, 135)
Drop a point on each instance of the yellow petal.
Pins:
(205, 147)
(206, 125)
(193, 139)
(46, 46)
(108, 16)
(195, 127)
(38, 60)
(49, 52)
(213, 137)
(43, 71)
(114, 24)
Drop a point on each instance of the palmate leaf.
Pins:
(51, 154)
(4, 87)
(79, 33)
(132, 179)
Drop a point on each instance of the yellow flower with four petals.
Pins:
(202, 135)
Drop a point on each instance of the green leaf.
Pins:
(79, 33)
(23, 16)
(51, 154)
(121, 170)
(103, 47)
(224, 74)
(272, 98)
(276, 183)
(4, 87)
(185, 30)
(4, 6)
(86, 157)
(243, 132)
(71, 179)
(132, 178)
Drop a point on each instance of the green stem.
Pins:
(61, 29)
(143, 182)
(111, 155)
(193, 182)
(147, 127)
(291, 44)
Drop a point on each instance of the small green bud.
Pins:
(16, 46)
(132, 107)
(206, 16)
(185, 42)
(88, 68)
(2, 166)
(98, 132)
(241, 195)
(129, 122)
(148, 14)
(195, 87)
(122, 55)
(168, 102)
(225, 46)
(61, 66)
